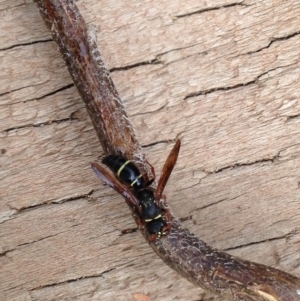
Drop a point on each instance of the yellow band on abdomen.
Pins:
(122, 167)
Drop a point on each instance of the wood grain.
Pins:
(222, 75)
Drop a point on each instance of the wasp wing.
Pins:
(167, 169)
(109, 179)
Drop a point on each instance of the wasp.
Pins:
(129, 173)
(131, 184)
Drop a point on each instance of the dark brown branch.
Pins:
(91, 77)
(211, 269)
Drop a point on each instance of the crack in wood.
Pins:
(26, 44)
(17, 247)
(12, 91)
(218, 202)
(41, 124)
(167, 141)
(150, 112)
(37, 98)
(53, 92)
(13, 7)
(233, 87)
(285, 236)
(208, 9)
(237, 165)
(136, 65)
(51, 202)
(292, 117)
(273, 40)
(72, 280)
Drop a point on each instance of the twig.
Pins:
(204, 266)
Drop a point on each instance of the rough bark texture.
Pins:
(222, 75)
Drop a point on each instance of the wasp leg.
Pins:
(152, 237)
(127, 231)
(140, 224)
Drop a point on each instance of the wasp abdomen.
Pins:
(150, 210)
(126, 170)
(157, 226)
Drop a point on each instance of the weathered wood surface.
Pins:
(222, 75)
